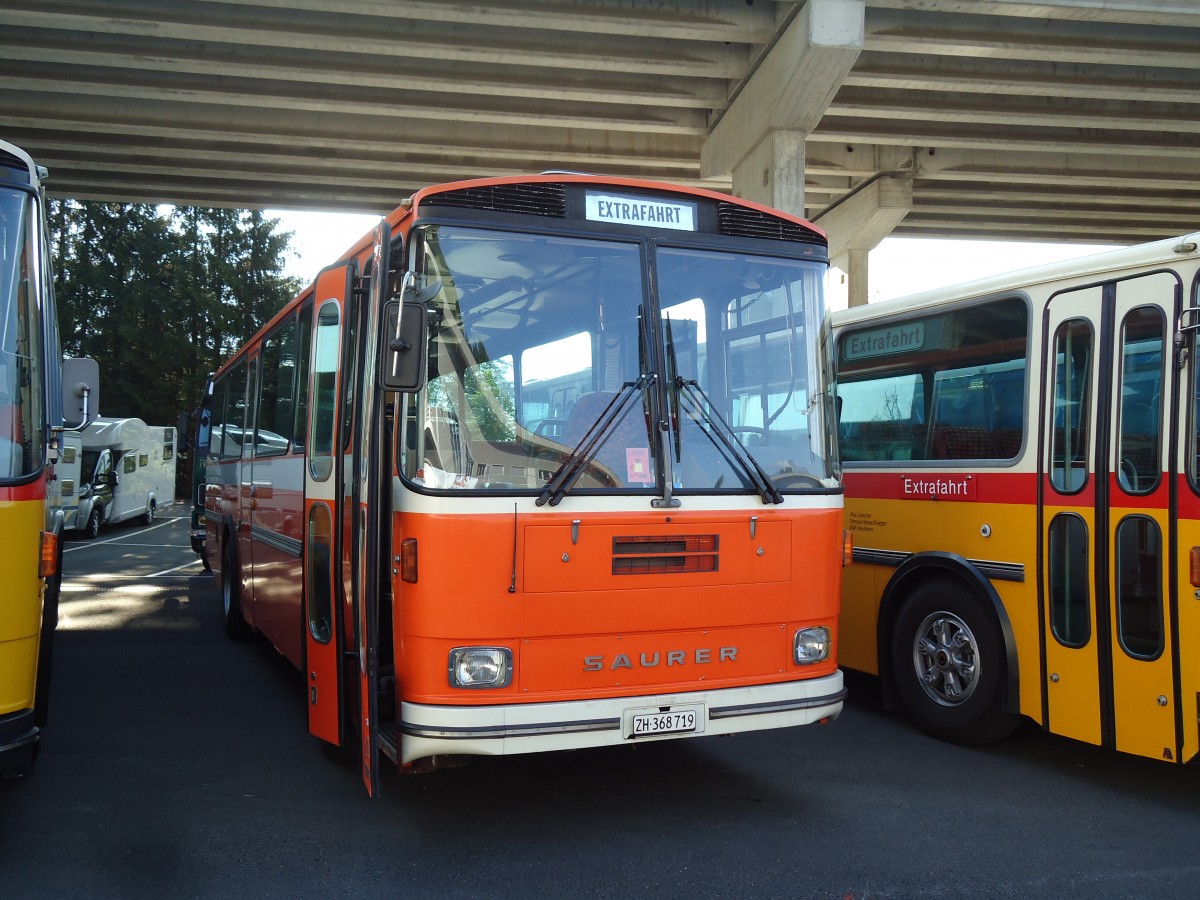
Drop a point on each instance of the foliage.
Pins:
(487, 388)
(159, 297)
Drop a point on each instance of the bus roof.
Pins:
(1095, 264)
(10, 153)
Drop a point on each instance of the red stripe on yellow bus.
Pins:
(949, 487)
(23, 493)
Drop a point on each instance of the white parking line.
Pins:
(115, 539)
(187, 565)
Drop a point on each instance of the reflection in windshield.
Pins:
(739, 326)
(546, 378)
(21, 416)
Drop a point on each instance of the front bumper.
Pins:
(427, 731)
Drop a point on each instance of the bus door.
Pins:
(370, 499)
(325, 627)
(1106, 500)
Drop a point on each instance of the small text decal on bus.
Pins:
(677, 215)
(882, 341)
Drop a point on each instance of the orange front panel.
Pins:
(563, 614)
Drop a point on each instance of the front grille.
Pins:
(527, 199)
(683, 543)
(662, 555)
(664, 565)
(739, 221)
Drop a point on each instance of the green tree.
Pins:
(161, 297)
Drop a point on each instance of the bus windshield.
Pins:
(21, 416)
(552, 358)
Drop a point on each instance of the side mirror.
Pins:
(80, 392)
(402, 356)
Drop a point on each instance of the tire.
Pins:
(148, 515)
(92, 529)
(948, 664)
(235, 624)
(18, 763)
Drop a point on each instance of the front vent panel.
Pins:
(526, 199)
(659, 555)
(742, 222)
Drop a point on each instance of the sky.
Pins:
(898, 266)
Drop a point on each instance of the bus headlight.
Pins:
(812, 645)
(480, 667)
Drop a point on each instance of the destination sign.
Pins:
(675, 214)
(883, 341)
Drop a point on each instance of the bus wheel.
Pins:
(235, 625)
(19, 763)
(92, 528)
(948, 664)
(148, 515)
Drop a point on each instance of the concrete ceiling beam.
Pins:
(793, 84)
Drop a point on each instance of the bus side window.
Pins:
(216, 428)
(325, 369)
(1071, 405)
(882, 418)
(235, 414)
(1140, 434)
(303, 346)
(276, 392)
(963, 370)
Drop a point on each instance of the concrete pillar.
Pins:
(773, 172)
(859, 222)
(850, 280)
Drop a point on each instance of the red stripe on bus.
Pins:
(35, 490)
(948, 487)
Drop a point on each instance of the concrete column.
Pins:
(787, 95)
(854, 264)
(773, 172)
(859, 222)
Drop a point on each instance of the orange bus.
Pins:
(543, 463)
(30, 420)
(1022, 482)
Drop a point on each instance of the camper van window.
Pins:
(130, 464)
(143, 460)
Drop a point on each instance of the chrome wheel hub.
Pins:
(945, 659)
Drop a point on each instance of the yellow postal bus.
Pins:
(30, 417)
(1022, 481)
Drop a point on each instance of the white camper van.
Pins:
(124, 469)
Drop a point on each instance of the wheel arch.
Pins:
(916, 570)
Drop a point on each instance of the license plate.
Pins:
(651, 723)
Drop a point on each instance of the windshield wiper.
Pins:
(695, 395)
(585, 451)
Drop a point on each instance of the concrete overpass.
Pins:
(1063, 120)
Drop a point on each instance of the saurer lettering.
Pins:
(699, 656)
